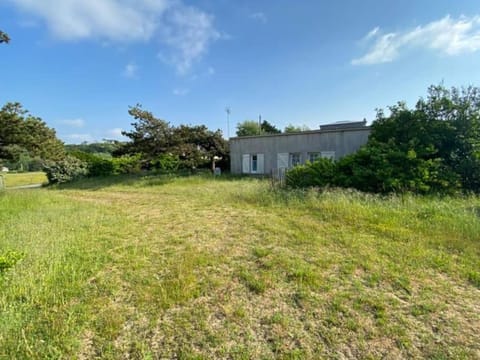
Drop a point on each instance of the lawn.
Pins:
(21, 179)
(193, 268)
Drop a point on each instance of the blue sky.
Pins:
(79, 64)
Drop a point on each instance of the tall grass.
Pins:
(196, 267)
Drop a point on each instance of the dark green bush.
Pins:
(127, 164)
(317, 174)
(96, 165)
(167, 163)
(65, 170)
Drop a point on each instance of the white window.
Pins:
(328, 155)
(295, 159)
(313, 156)
(253, 163)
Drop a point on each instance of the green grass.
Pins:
(21, 179)
(194, 268)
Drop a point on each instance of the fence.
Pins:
(277, 177)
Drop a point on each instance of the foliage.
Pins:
(293, 128)
(319, 174)
(105, 148)
(24, 137)
(126, 164)
(67, 169)
(249, 128)
(96, 165)
(167, 163)
(433, 148)
(152, 139)
(268, 128)
(252, 128)
(150, 136)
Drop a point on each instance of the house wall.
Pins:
(342, 142)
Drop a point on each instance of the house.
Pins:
(264, 154)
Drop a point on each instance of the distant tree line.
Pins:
(252, 128)
(432, 148)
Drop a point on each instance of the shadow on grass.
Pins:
(143, 179)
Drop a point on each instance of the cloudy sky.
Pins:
(79, 64)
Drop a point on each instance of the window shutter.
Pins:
(260, 163)
(246, 163)
(282, 160)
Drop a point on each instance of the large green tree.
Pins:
(153, 138)
(23, 135)
(150, 136)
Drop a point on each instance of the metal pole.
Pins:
(227, 110)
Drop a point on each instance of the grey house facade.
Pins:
(265, 154)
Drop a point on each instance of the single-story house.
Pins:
(265, 154)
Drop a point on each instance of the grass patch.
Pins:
(196, 267)
(22, 179)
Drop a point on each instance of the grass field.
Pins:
(21, 179)
(196, 268)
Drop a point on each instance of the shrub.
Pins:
(96, 165)
(127, 164)
(317, 174)
(65, 170)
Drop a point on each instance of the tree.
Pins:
(249, 128)
(150, 136)
(24, 136)
(156, 140)
(269, 128)
(252, 128)
(293, 129)
(196, 146)
(4, 38)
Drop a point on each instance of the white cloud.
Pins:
(259, 16)
(180, 92)
(189, 33)
(78, 123)
(185, 31)
(447, 36)
(130, 71)
(115, 134)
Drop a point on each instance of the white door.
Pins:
(246, 163)
(282, 160)
(260, 163)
